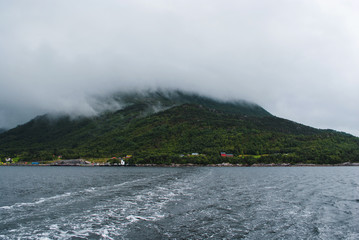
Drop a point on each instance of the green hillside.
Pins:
(187, 124)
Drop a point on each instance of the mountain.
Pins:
(2, 130)
(161, 127)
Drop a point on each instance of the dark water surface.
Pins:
(179, 203)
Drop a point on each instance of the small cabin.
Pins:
(223, 154)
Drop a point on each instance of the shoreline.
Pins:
(189, 165)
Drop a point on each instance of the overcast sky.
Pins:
(297, 59)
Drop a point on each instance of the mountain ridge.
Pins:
(167, 99)
(185, 124)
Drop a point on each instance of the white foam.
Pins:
(92, 189)
(110, 219)
(133, 218)
(88, 190)
(6, 207)
(39, 201)
(54, 227)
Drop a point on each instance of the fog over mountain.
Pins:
(297, 59)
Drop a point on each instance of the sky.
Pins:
(296, 58)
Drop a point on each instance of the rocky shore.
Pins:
(253, 165)
(84, 163)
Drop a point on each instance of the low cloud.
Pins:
(297, 59)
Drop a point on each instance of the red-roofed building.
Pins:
(223, 154)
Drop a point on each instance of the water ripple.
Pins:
(187, 203)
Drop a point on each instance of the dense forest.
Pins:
(179, 128)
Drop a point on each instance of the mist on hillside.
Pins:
(161, 100)
(296, 59)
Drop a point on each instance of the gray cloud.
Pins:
(298, 59)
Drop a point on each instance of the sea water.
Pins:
(179, 203)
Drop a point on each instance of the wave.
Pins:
(107, 211)
(39, 201)
(90, 190)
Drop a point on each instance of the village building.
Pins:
(224, 154)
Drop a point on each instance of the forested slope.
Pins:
(189, 124)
